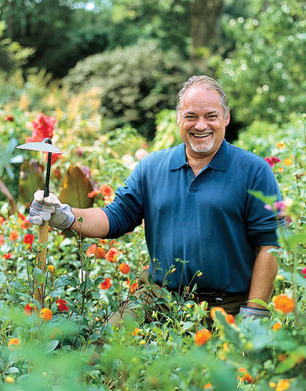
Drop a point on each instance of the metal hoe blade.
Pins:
(44, 146)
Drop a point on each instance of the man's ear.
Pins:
(227, 118)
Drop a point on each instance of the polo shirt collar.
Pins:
(220, 161)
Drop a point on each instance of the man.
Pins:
(199, 214)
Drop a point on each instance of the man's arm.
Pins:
(94, 224)
(264, 272)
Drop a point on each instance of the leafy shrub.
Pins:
(137, 82)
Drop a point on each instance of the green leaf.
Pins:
(260, 302)
(75, 189)
(265, 199)
(30, 180)
(52, 345)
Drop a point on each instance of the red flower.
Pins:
(54, 157)
(272, 160)
(28, 309)
(124, 268)
(62, 305)
(106, 284)
(112, 255)
(28, 239)
(24, 221)
(2, 220)
(7, 255)
(9, 118)
(43, 128)
(1, 240)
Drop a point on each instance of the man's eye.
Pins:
(190, 117)
(212, 117)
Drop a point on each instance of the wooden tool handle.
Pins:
(41, 257)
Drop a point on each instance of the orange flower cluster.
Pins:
(202, 336)
(215, 309)
(245, 376)
(105, 190)
(132, 287)
(99, 252)
(283, 303)
(28, 239)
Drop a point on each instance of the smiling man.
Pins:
(200, 218)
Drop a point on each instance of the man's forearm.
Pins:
(264, 273)
(94, 222)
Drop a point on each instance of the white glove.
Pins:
(50, 209)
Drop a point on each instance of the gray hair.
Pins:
(210, 84)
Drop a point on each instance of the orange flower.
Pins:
(124, 268)
(283, 303)
(93, 193)
(276, 326)
(99, 252)
(230, 318)
(91, 249)
(133, 287)
(215, 309)
(13, 343)
(112, 255)
(245, 376)
(13, 236)
(2, 240)
(106, 284)
(202, 336)
(106, 190)
(46, 314)
(208, 386)
(136, 331)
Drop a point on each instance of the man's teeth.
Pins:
(201, 135)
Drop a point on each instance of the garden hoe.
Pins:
(44, 146)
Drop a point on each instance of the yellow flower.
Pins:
(288, 161)
(283, 385)
(136, 331)
(141, 343)
(51, 269)
(272, 384)
(281, 145)
(9, 380)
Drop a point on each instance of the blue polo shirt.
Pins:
(210, 221)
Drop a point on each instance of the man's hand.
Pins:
(50, 209)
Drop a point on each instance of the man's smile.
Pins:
(201, 135)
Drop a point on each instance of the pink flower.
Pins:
(140, 153)
(272, 160)
(304, 272)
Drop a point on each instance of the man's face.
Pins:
(201, 121)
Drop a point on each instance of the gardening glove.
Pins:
(252, 311)
(50, 209)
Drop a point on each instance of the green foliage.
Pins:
(263, 71)
(137, 82)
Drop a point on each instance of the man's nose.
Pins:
(201, 124)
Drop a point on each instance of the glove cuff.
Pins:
(252, 311)
(70, 217)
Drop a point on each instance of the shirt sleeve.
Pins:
(125, 213)
(261, 223)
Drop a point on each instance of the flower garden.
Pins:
(48, 344)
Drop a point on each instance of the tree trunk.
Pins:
(205, 28)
